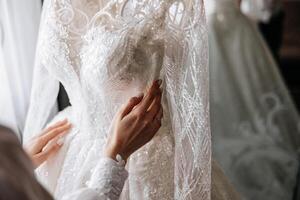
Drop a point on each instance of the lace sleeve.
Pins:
(107, 182)
(44, 89)
(188, 96)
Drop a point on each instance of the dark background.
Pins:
(290, 50)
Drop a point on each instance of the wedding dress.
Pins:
(255, 129)
(18, 180)
(19, 23)
(105, 52)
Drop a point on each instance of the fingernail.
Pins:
(60, 141)
(159, 81)
(69, 124)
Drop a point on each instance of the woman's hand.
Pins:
(47, 143)
(136, 123)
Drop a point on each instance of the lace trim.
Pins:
(108, 178)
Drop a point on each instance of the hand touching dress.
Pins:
(135, 125)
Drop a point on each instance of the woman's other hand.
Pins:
(136, 123)
(41, 147)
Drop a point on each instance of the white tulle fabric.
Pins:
(105, 52)
(255, 125)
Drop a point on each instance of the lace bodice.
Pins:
(104, 52)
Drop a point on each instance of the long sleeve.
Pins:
(106, 182)
(17, 176)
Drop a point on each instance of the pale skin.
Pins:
(47, 143)
(135, 125)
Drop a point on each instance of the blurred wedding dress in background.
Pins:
(19, 25)
(254, 121)
(261, 10)
(269, 17)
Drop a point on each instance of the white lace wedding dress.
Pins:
(105, 52)
(255, 125)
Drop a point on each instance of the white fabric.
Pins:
(105, 52)
(19, 28)
(213, 6)
(261, 10)
(107, 182)
(254, 121)
(7, 118)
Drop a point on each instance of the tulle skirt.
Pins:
(254, 121)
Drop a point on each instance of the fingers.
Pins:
(154, 108)
(150, 129)
(155, 125)
(58, 140)
(160, 114)
(131, 104)
(145, 135)
(153, 128)
(148, 99)
(49, 143)
(57, 124)
(50, 149)
(58, 130)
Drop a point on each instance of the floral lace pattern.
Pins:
(105, 52)
(108, 179)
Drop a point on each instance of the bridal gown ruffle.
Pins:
(254, 121)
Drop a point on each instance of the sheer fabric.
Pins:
(19, 22)
(104, 52)
(255, 125)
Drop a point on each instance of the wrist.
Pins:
(110, 152)
(113, 153)
(114, 147)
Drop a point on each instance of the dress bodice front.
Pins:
(117, 61)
